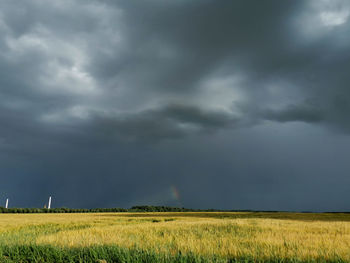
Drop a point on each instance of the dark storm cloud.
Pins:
(140, 56)
(304, 113)
(171, 47)
(117, 95)
(172, 121)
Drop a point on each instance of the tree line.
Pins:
(144, 208)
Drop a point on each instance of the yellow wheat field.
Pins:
(258, 235)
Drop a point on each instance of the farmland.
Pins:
(174, 237)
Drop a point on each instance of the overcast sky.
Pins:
(204, 104)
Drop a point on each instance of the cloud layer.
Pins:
(83, 79)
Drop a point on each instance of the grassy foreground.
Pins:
(175, 237)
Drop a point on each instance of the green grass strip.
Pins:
(107, 254)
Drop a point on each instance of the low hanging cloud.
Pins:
(172, 121)
(303, 113)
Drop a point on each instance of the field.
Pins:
(175, 237)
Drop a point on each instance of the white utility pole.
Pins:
(49, 205)
(7, 203)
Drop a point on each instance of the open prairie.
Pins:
(173, 237)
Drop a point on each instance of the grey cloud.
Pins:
(128, 98)
(304, 113)
(174, 45)
(171, 121)
(156, 50)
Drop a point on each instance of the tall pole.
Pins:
(49, 205)
(7, 203)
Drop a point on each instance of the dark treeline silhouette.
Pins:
(60, 210)
(143, 208)
(149, 208)
(140, 208)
